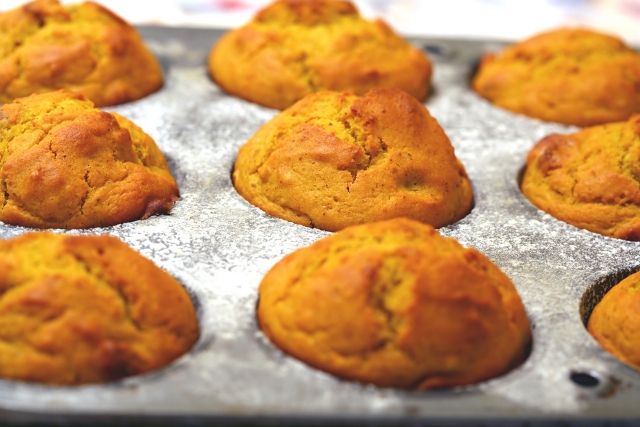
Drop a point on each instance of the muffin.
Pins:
(570, 76)
(84, 47)
(395, 304)
(87, 309)
(335, 159)
(296, 47)
(67, 164)
(615, 321)
(589, 179)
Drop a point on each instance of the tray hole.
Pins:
(594, 384)
(585, 379)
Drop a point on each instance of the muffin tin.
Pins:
(219, 246)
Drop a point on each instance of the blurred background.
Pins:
(507, 20)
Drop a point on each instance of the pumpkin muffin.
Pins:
(87, 309)
(615, 321)
(84, 47)
(394, 304)
(296, 47)
(335, 159)
(589, 179)
(570, 76)
(66, 164)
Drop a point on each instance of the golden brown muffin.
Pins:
(589, 179)
(396, 305)
(296, 47)
(87, 309)
(336, 159)
(84, 47)
(66, 164)
(615, 321)
(571, 76)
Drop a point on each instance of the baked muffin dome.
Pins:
(589, 179)
(296, 47)
(84, 47)
(336, 159)
(87, 309)
(70, 165)
(571, 76)
(395, 304)
(615, 321)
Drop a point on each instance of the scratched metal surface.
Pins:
(219, 247)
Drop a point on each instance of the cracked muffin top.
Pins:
(296, 47)
(395, 304)
(84, 47)
(589, 179)
(87, 309)
(335, 159)
(570, 76)
(615, 321)
(66, 164)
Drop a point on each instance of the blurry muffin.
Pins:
(615, 321)
(296, 47)
(336, 159)
(571, 76)
(396, 305)
(84, 47)
(70, 165)
(589, 179)
(87, 309)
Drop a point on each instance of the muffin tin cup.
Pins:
(219, 246)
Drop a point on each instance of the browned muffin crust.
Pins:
(87, 309)
(296, 47)
(84, 47)
(590, 179)
(335, 159)
(396, 305)
(66, 164)
(615, 321)
(571, 75)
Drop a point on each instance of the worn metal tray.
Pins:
(219, 246)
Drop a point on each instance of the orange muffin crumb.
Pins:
(615, 322)
(87, 309)
(336, 159)
(296, 47)
(45, 46)
(589, 179)
(572, 76)
(395, 304)
(67, 164)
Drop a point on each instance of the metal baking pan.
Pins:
(219, 247)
